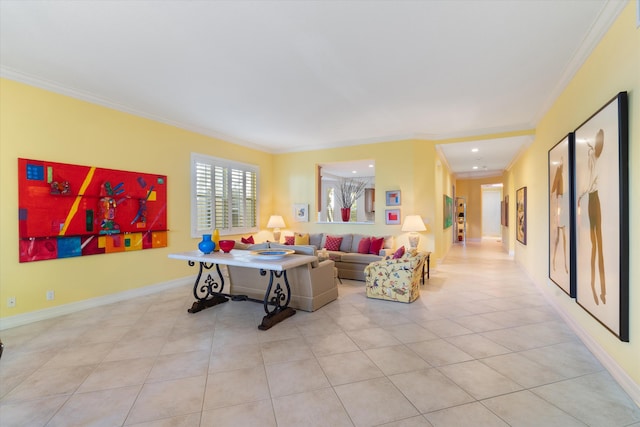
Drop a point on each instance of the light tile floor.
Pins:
(480, 347)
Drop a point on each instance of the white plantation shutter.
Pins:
(221, 185)
(243, 195)
(204, 198)
(224, 196)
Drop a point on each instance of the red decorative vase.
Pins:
(346, 214)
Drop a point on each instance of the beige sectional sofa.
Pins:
(348, 261)
(312, 285)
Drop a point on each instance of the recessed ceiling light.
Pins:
(474, 150)
(370, 166)
(475, 167)
(354, 171)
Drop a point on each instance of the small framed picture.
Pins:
(392, 216)
(301, 212)
(393, 198)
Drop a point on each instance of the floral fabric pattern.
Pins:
(396, 279)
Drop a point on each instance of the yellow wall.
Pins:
(43, 125)
(614, 66)
(408, 166)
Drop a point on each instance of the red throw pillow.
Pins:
(376, 245)
(289, 240)
(333, 243)
(248, 240)
(364, 245)
(398, 254)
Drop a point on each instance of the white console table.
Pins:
(211, 292)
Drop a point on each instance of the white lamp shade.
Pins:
(413, 223)
(276, 221)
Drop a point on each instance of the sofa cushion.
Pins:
(301, 239)
(249, 240)
(290, 240)
(359, 258)
(347, 243)
(315, 239)
(398, 254)
(299, 249)
(332, 243)
(376, 245)
(364, 245)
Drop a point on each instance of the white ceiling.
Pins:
(299, 75)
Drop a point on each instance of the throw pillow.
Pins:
(333, 243)
(398, 254)
(301, 239)
(289, 240)
(376, 245)
(364, 245)
(248, 240)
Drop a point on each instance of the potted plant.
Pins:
(349, 190)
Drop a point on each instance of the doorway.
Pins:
(491, 197)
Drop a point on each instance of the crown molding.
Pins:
(52, 86)
(607, 16)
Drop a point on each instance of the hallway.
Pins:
(480, 347)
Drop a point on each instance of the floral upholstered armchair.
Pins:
(396, 279)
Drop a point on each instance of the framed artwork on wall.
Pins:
(301, 212)
(521, 215)
(506, 211)
(392, 216)
(67, 210)
(448, 211)
(561, 260)
(393, 198)
(602, 216)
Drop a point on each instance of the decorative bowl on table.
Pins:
(268, 254)
(226, 245)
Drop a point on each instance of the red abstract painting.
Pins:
(69, 210)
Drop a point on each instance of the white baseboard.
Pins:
(622, 378)
(625, 381)
(61, 310)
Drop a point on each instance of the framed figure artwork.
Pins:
(561, 260)
(602, 216)
(521, 215)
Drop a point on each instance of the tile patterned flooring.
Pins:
(480, 347)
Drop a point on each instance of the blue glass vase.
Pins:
(207, 245)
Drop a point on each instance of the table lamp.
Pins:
(276, 222)
(413, 224)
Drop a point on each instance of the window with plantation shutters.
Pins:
(224, 196)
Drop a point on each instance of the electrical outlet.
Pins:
(50, 295)
(11, 302)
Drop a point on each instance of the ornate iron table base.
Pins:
(276, 299)
(206, 303)
(274, 318)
